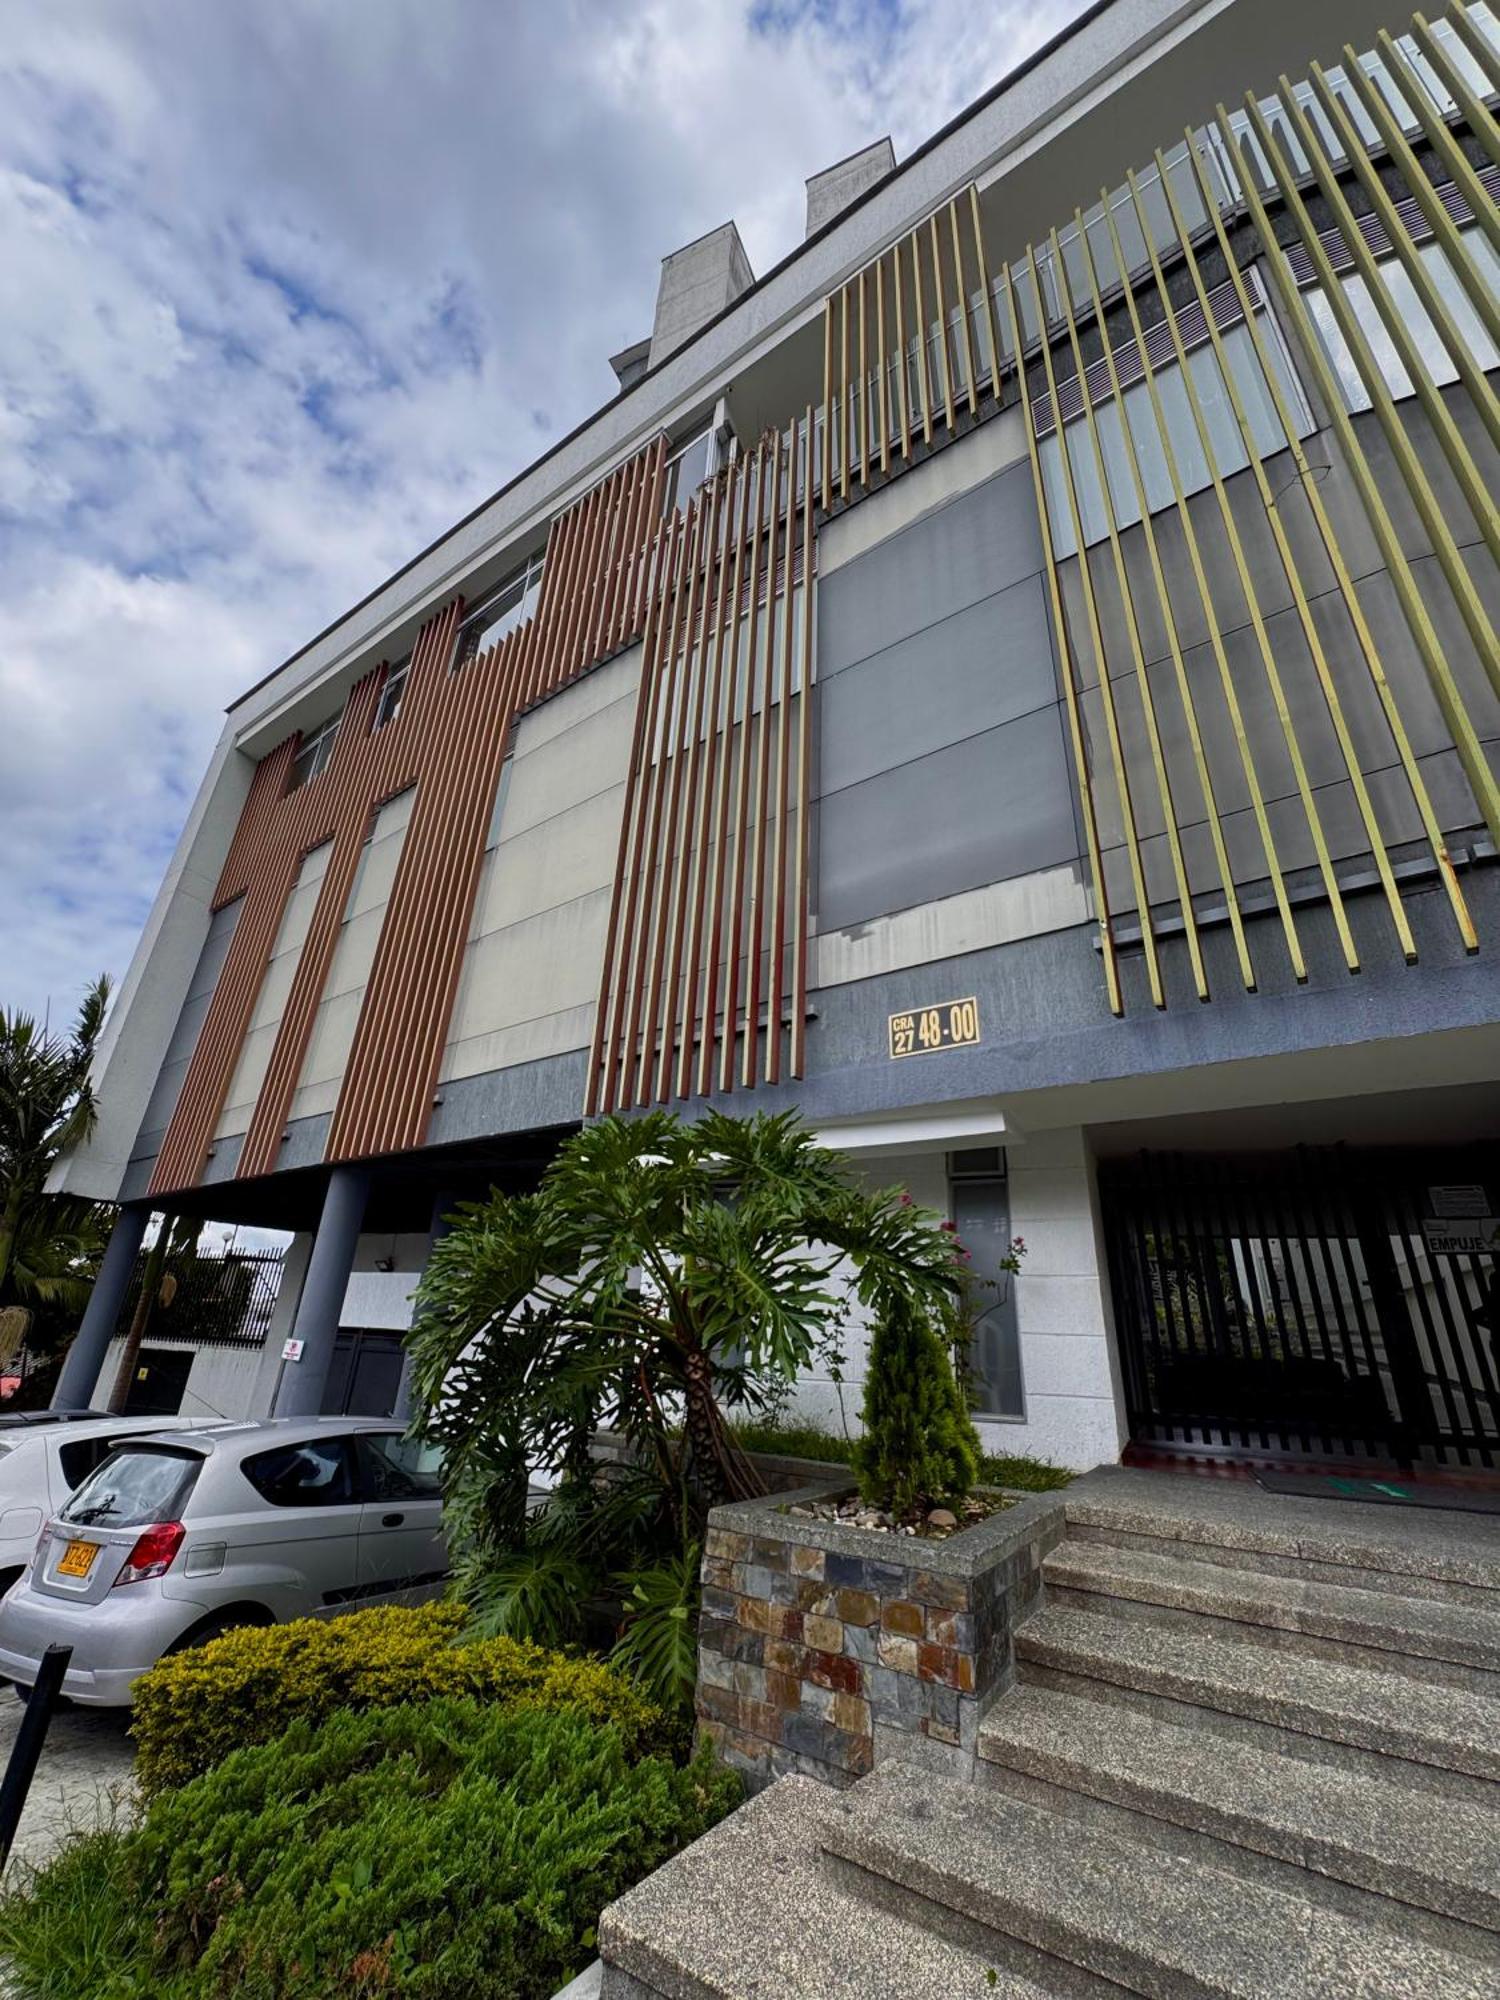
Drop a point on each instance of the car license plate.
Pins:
(78, 1558)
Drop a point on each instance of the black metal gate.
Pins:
(1319, 1303)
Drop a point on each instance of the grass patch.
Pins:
(1018, 1473)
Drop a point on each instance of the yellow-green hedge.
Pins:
(193, 1708)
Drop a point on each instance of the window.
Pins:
(689, 465)
(979, 1202)
(136, 1485)
(1224, 436)
(510, 604)
(393, 1467)
(315, 752)
(1428, 341)
(316, 1473)
(80, 1456)
(389, 705)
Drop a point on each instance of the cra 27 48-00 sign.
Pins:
(921, 1031)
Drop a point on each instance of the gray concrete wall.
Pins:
(942, 760)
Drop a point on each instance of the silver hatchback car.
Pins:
(177, 1538)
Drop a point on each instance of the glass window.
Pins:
(981, 1218)
(315, 752)
(135, 1485)
(315, 1473)
(1224, 435)
(389, 705)
(510, 604)
(393, 1467)
(689, 466)
(1429, 342)
(78, 1458)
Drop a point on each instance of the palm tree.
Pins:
(48, 1243)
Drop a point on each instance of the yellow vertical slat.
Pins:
(1132, 628)
(1096, 638)
(963, 308)
(1398, 568)
(903, 386)
(1164, 602)
(989, 297)
(1450, 561)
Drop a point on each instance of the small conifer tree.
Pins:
(919, 1446)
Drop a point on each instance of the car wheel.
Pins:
(214, 1628)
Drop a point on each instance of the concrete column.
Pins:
(80, 1369)
(300, 1392)
(438, 1229)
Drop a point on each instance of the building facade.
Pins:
(1018, 683)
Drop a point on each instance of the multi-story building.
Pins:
(1017, 682)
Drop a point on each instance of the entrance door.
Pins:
(1314, 1303)
(364, 1373)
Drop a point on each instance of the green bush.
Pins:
(193, 1708)
(919, 1447)
(448, 1850)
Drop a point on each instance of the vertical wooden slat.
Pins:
(903, 385)
(846, 447)
(777, 987)
(713, 734)
(924, 346)
(797, 1052)
(883, 402)
(828, 402)
(695, 669)
(984, 282)
(963, 309)
(755, 913)
(944, 344)
(620, 927)
(717, 930)
(1456, 162)
(647, 901)
(741, 827)
(864, 390)
(653, 1033)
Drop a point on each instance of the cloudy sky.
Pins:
(289, 285)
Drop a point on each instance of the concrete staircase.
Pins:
(1253, 1750)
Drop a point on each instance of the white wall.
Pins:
(530, 979)
(1074, 1416)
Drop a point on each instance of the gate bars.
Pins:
(705, 973)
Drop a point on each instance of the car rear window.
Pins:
(136, 1484)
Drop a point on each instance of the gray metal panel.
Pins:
(950, 559)
(982, 810)
(986, 665)
(169, 1081)
(525, 1097)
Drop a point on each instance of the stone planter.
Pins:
(824, 1648)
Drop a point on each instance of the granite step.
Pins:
(1414, 1552)
(1412, 1635)
(1175, 1929)
(754, 1911)
(1431, 1728)
(1410, 1853)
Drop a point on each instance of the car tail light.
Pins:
(153, 1552)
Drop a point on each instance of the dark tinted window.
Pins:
(79, 1457)
(136, 1484)
(315, 1473)
(393, 1467)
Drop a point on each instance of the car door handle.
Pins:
(391, 1520)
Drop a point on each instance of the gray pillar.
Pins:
(437, 1230)
(300, 1393)
(80, 1369)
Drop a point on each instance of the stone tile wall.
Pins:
(822, 1648)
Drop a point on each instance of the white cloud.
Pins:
(290, 287)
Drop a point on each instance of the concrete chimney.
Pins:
(697, 283)
(830, 192)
